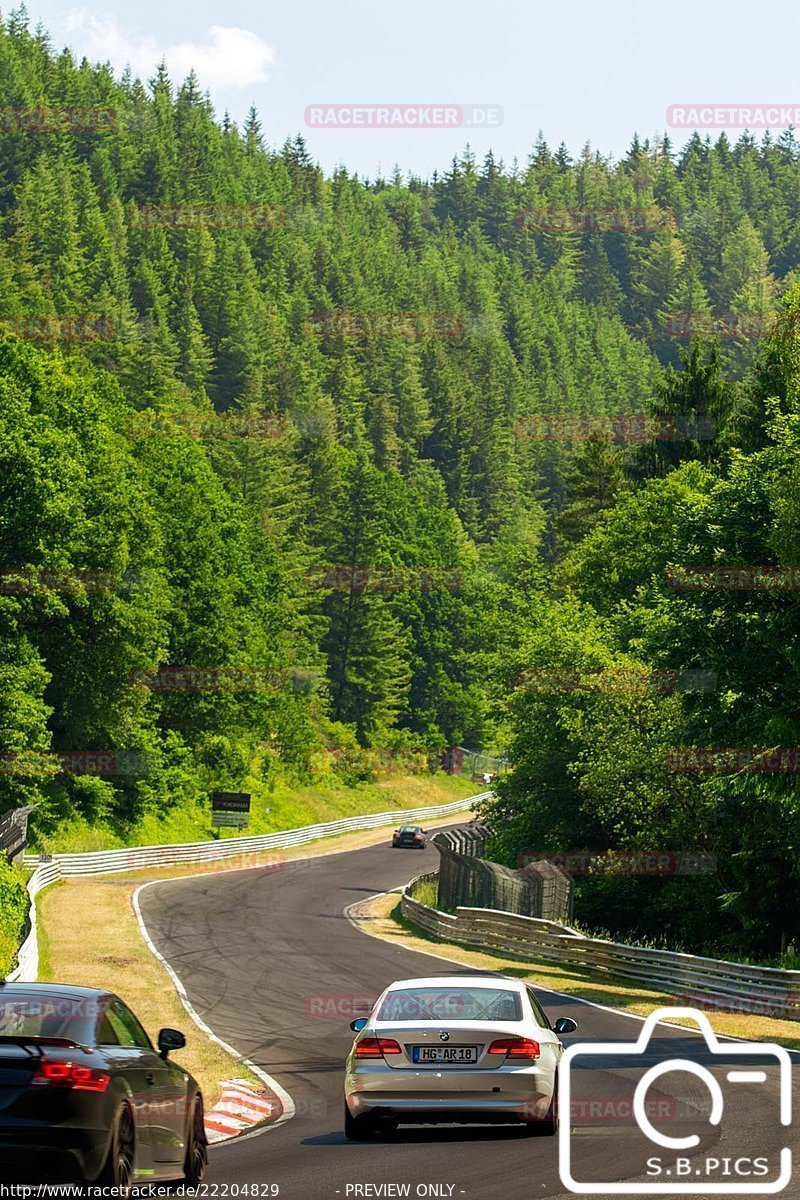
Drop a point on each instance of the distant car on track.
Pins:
(85, 1096)
(410, 837)
(462, 1049)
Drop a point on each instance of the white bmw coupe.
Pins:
(468, 1048)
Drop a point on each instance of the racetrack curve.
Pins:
(260, 951)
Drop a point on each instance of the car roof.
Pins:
(66, 991)
(477, 981)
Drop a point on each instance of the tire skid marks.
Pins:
(284, 1108)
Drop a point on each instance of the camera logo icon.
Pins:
(675, 1170)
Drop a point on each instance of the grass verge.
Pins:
(284, 807)
(89, 935)
(91, 938)
(382, 918)
(13, 913)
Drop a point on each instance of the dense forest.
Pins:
(300, 474)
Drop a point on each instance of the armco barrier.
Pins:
(766, 991)
(107, 862)
(27, 968)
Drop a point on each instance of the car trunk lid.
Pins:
(17, 1066)
(423, 1045)
(19, 1057)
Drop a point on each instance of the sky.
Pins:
(453, 72)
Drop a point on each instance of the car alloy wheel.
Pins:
(119, 1168)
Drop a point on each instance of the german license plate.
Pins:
(444, 1054)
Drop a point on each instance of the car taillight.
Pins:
(53, 1072)
(418, 837)
(516, 1048)
(370, 1047)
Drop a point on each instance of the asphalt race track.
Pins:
(271, 963)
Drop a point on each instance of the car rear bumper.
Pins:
(48, 1153)
(522, 1094)
(449, 1108)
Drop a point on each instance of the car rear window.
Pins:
(32, 1014)
(450, 1003)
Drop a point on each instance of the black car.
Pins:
(413, 837)
(85, 1096)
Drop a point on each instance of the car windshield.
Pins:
(409, 828)
(31, 1014)
(453, 1003)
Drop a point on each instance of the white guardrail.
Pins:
(48, 869)
(728, 986)
(27, 968)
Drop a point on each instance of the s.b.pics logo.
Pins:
(712, 1145)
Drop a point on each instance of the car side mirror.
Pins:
(170, 1039)
(565, 1025)
(358, 1024)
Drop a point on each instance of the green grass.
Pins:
(43, 936)
(13, 914)
(427, 892)
(284, 807)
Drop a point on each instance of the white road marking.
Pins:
(280, 1092)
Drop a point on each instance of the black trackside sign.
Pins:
(230, 802)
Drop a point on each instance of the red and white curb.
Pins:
(239, 1109)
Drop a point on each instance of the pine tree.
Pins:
(253, 139)
(744, 282)
(592, 483)
(692, 410)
